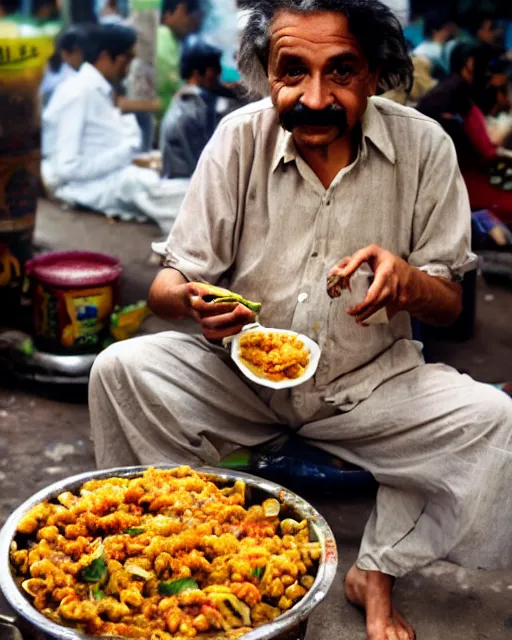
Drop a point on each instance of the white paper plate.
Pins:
(314, 357)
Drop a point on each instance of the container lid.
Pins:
(75, 269)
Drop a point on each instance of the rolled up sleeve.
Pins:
(204, 240)
(441, 238)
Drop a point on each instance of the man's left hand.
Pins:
(392, 286)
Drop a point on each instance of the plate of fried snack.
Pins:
(275, 358)
(166, 553)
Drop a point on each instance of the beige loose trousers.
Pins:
(439, 444)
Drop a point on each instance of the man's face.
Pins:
(182, 22)
(74, 58)
(489, 32)
(46, 10)
(317, 70)
(121, 64)
(211, 79)
(499, 86)
(194, 21)
(468, 71)
(447, 32)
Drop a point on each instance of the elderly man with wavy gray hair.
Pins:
(317, 180)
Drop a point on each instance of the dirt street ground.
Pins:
(44, 436)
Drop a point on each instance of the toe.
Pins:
(392, 633)
(406, 631)
(376, 632)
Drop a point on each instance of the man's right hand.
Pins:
(173, 298)
(217, 320)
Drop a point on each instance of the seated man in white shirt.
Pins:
(89, 146)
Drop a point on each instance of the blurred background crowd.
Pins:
(171, 67)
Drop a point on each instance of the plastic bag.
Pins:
(126, 321)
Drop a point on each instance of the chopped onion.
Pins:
(135, 570)
(34, 586)
(290, 526)
(271, 508)
(99, 550)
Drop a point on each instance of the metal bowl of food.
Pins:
(290, 507)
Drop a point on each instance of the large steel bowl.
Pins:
(260, 490)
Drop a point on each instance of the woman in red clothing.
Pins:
(458, 104)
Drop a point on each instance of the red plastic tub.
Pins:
(73, 296)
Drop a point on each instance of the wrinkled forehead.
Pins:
(319, 33)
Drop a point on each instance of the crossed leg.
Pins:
(440, 446)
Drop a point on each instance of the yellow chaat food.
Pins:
(275, 356)
(169, 554)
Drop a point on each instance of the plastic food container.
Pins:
(290, 626)
(233, 344)
(73, 296)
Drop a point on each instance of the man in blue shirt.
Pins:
(192, 116)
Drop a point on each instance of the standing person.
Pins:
(180, 18)
(438, 30)
(89, 147)
(65, 62)
(284, 190)
(192, 116)
(8, 8)
(47, 17)
(45, 10)
(220, 29)
(488, 34)
(110, 13)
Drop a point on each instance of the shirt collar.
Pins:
(285, 148)
(95, 79)
(374, 130)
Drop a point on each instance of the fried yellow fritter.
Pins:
(274, 356)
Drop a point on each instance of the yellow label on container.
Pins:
(88, 310)
(10, 269)
(19, 54)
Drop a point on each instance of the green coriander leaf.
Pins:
(173, 587)
(97, 593)
(135, 531)
(96, 572)
(258, 572)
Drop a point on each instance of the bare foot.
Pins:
(371, 591)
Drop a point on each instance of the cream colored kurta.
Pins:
(257, 219)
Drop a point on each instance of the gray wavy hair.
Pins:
(374, 25)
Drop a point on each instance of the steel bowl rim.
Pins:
(323, 581)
